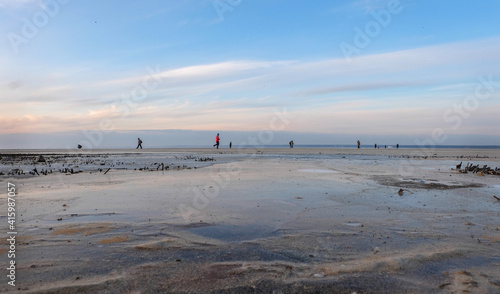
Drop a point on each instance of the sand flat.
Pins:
(304, 220)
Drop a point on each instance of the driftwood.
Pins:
(400, 192)
(40, 158)
(476, 169)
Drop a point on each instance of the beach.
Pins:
(252, 220)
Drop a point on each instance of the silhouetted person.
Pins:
(397, 146)
(139, 143)
(359, 143)
(217, 141)
(291, 144)
(230, 145)
(375, 145)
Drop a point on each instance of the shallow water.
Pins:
(235, 233)
(281, 220)
(318, 171)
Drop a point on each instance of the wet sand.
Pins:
(254, 221)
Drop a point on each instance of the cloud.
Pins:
(199, 72)
(365, 86)
(16, 3)
(387, 93)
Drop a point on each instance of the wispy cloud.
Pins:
(364, 86)
(203, 72)
(16, 3)
(387, 89)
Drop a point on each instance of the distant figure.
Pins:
(230, 145)
(217, 139)
(375, 145)
(79, 146)
(385, 146)
(139, 143)
(359, 143)
(291, 144)
(397, 146)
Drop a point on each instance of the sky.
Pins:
(176, 72)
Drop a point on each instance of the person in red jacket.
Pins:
(217, 139)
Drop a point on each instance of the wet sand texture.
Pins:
(247, 221)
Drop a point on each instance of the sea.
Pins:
(343, 146)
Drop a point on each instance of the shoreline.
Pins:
(439, 152)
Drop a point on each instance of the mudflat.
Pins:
(301, 220)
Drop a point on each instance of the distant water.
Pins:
(339, 146)
(382, 146)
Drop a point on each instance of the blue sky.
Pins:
(374, 70)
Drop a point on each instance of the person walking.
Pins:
(230, 145)
(359, 143)
(217, 139)
(139, 143)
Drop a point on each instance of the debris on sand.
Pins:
(442, 286)
(400, 192)
(196, 158)
(480, 171)
(40, 158)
